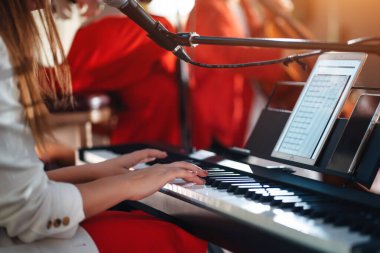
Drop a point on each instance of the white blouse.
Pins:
(31, 206)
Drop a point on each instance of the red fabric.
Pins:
(114, 55)
(136, 231)
(222, 98)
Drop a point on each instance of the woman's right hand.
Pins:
(102, 194)
(144, 182)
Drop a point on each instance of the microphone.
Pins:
(156, 31)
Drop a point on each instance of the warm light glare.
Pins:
(171, 9)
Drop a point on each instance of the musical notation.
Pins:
(313, 114)
(318, 106)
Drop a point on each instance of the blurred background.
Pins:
(325, 20)
(339, 20)
(333, 20)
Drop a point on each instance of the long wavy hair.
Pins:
(25, 34)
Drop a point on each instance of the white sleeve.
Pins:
(31, 206)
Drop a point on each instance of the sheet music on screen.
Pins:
(317, 108)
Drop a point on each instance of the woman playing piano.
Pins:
(67, 204)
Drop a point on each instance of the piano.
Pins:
(260, 206)
(253, 202)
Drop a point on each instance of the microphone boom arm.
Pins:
(192, 39)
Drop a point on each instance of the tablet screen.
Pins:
(318, 106)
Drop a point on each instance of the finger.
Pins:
(189, 166)
(187, 175)
(148, 155)
(195, 180)
(155, 153)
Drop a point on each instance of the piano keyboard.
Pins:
(314, 221)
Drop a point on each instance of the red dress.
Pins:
(222, 98)
(136, 231)
(113, 55)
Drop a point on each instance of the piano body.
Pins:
(254, 204)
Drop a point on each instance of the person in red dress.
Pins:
(113, 55)
(222, 99)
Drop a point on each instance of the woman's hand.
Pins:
(122, 164)
(106, 192)
(113, 167)
(144, 182)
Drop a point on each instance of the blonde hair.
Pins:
(19, 30)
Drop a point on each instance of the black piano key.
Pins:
(280, 193)
(264, 198)
(288, 204)
(210, 179)
(324, 209)
(270, 194)
(234, 186)
(314, 198)
(288, 201)
(299, 192)
(376, 229)
(368, 229)
(301, 208)
(221, 173)
(263, 195)
(315, 214)
(215, 169)
(227, 176)
(272, 190)
(224, 184)
(258, 195)
(340, 220)
(365, 223)
(228, 183)
(251, 193)
(341, 215)
(333, 219)
(230, 176)
(376, 234)
(328, 206)
(241, 190)
(357, 226)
